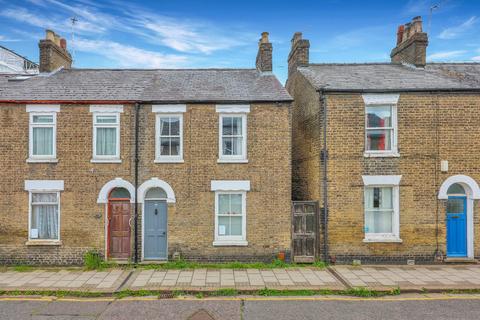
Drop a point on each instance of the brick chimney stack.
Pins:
(412, 44)
(299, 53)
(53, 53)
(264, 55)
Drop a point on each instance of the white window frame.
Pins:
(167, 159)
(231, 240)
(231, 187)
(232, 158)
(109, 158)
(42, 110)
(382, 182)
(44, 186)
(382, 100)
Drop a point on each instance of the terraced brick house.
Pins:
(390, 151)
(140, 165)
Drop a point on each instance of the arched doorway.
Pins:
(155, 225)
(155, 195)
(460, 191)
(119, 224)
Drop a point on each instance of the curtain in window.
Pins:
(379, 210)
(106, 141)
(43, 141)
(45, 216)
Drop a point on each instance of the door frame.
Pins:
(107, 225)
(143, 228)
(465, 209)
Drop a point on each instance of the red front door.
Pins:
(119, 229)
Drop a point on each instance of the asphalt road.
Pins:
(417, 307)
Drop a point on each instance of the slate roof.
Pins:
(160, 85)
(393, 76)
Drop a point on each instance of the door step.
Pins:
(461, 260)
(119, 261)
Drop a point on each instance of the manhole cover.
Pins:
(201, 315)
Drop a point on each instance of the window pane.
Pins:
(174, 146)
(236, 203)
(42, 141)
(379, 116)
(223, 203)
(164, 126)
(227, 145)
(227, 126)
(235, 226)
(455, 205)
(456, 189)
(164, 146)
(297, 224)
(119, 193)
(43, 119)
(237, 125)
(310, 223)
(156, 193)
(379, 139)
(378, 198)
(223, 226)
(175, 126)
(106, 141)
(44, 222)
(44, 197)
(106, 119)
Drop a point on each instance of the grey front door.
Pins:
(155, 230)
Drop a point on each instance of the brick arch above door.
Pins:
(115, 183)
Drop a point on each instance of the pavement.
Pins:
(336, 278)
(410, 306)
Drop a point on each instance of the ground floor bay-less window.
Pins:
(44, 220)
(381, 208)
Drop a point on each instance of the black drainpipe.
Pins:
(324, 155)
(137, 108)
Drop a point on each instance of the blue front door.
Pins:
(155, 237)
(457, 226)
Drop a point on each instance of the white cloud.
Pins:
(454, 32)
(5, 39)
(476, 58)
(446, 54)
(128, 56)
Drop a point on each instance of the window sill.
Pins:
(106, 161)
(390, 240)
(168, 161)
(43, 243)
(230, 243)
(232, 160)
(381, 155)
(34, 160)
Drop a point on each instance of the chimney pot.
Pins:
(296, 37)
(411, 45)
(264, 38)
(53, 53)
(63, 43)
(49, 35)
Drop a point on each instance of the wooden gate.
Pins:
(304, 231)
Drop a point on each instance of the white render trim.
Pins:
(169, 108)
(377, 154)
(369, 239)
(115, 183)
(380, 98)
(230, 185)
(233, 108)
(381, 180)
(43, 108)
(468, 183)
(38, 160)
(106, 108)
(232, 160)
(44, 185)
(156, 183)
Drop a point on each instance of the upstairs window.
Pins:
(169, 138)
(42, 136)
(233, 140)
(106, 136)
(380, 129)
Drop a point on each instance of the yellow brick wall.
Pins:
(191, 219)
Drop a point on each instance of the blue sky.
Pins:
(203, 34)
